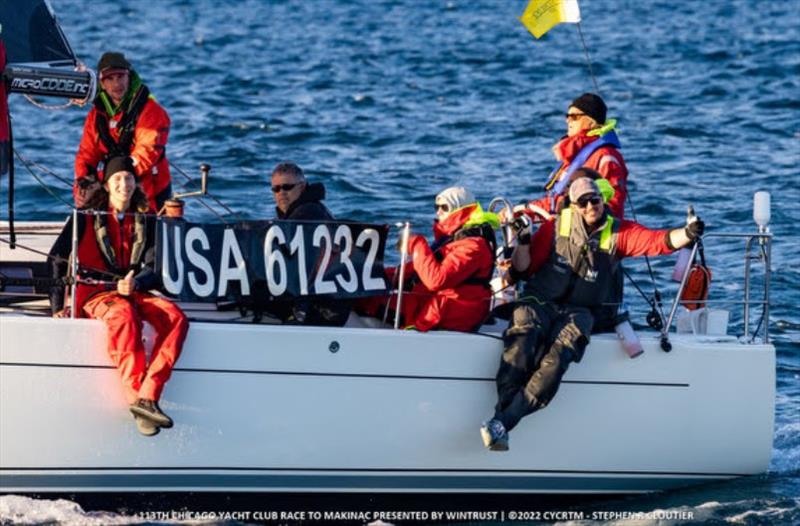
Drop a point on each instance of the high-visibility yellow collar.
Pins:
(610, 125)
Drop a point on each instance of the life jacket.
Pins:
(697, 284)
(106, 247)
(559, 178)
(126, 125)
(580, 267)
(96, 252)
(478, 223)
(484, 231)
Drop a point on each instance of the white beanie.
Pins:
(455, 197)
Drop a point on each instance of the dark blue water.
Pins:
(388, 102)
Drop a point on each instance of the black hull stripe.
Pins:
(382, 470)
(343, 375)
(347, 483)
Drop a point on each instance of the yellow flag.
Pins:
(541, 15)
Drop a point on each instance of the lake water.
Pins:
(388, 102)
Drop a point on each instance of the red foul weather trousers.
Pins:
(123, 317)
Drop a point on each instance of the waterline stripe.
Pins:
(342, 483)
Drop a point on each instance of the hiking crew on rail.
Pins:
(116, 248)
(569, 265)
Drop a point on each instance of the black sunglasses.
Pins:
(444, 207)
(574, 116)
(285, 187)
(593, 199)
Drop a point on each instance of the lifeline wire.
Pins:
(656, 292)
(42, 168)
(58, 259)
(28, 163)
(38, 180)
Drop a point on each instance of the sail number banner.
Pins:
(279, 259)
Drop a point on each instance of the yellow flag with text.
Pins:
(541, 15)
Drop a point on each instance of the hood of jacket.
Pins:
(314, 193)
(466, 216)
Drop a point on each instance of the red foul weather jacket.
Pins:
(148, 148)
(453, 291)
(96, 265)
(127, 245)
(606, 160)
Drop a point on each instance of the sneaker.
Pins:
(146, 427)
(494, 435)
(148, 409)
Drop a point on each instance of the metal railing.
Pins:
(764, 238)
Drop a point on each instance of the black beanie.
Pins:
(118, 164)
(113, 59)
(592, 105)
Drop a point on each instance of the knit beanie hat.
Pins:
(592, 105)
(455, 197)
(113, 60)
(118, 164)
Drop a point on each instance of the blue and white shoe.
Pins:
(494, 435)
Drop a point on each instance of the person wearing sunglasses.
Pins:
(449, 279)
(296, 198)
(568, 266)
(591, 142)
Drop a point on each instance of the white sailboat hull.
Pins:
(274, 409)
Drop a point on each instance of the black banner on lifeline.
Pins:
(278, 259)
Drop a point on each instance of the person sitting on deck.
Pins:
(448, 280)
(298, 200)
(569, 263)
(119, 244)
(125, 120)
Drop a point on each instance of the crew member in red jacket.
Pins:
(569, 263)
(591, 142)
(118, 245)
(452, 277)
(448, 280)
(125, 120)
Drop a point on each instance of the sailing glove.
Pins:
(695, 228)
(521, 228)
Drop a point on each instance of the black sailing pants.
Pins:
(541, 341)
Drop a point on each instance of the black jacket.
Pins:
(302, 311)
(308, 206)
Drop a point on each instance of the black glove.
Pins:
(520, 223)
(89, 188)
(521, 228)
(695, 229)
